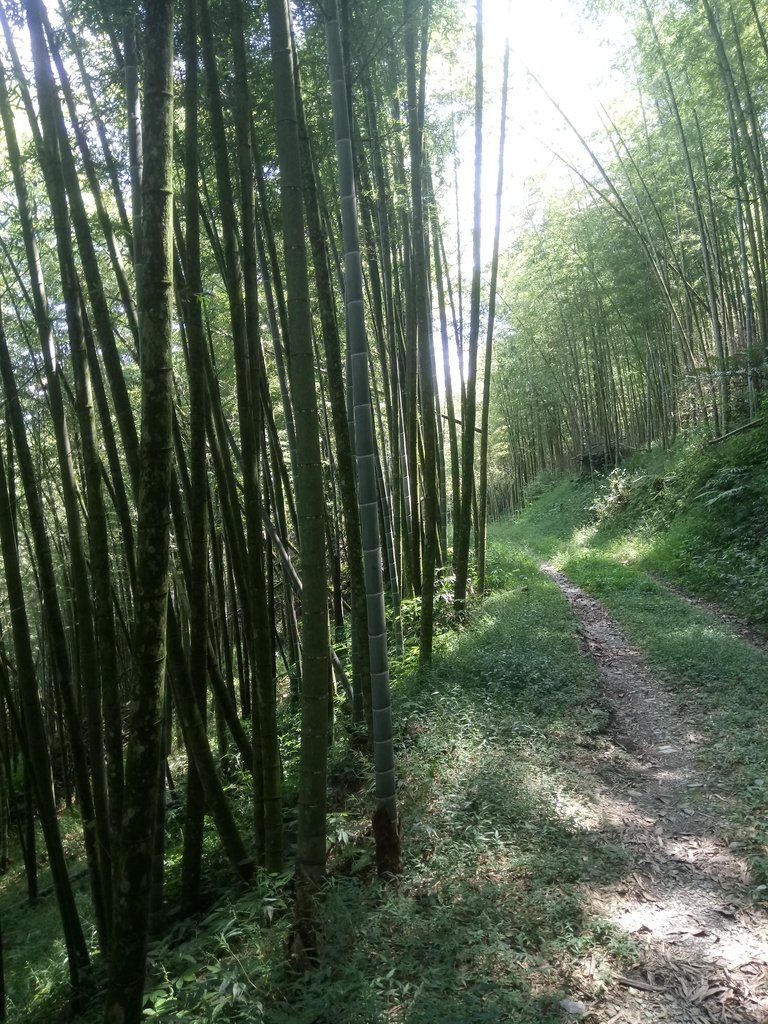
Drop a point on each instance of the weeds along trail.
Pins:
(702, 940)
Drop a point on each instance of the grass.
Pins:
(488, 921)
(696, 515)
(623, 538)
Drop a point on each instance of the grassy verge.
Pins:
(704, 524)
(616, 539)
(488, 921)
(696, 515)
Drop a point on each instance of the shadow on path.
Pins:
(686, 898)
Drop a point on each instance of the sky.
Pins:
(573, 58)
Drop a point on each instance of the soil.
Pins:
(685, 899)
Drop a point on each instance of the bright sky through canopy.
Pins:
(572, 56)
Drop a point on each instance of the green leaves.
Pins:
(704, 531)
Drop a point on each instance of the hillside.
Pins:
(582, 790)
(696, 516)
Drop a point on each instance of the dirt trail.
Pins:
(685, 897)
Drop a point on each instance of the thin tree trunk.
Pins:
(311, 849)
(94, 617)
(386, 828)
(361, 667)
(484, 417)
(52, 607)
(39, 757)
(461, 556)
(421, 310)
(198, 499)
(155, 291)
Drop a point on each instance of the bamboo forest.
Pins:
(384, 511)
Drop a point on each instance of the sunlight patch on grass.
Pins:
(719, 679)
(631, 548)
(582, 536)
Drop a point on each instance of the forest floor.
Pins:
(663, 565)
(702, 953)
(583, 786)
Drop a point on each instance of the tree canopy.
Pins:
(243, 369)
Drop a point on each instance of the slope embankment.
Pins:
(643, 557)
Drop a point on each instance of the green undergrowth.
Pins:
(488, 921)
(34, 955)
(670, 518)
(696, 515)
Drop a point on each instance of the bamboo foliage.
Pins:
(636, 306)
(181, 401)
(387, 834)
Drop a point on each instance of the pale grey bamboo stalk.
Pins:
(365, 449)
